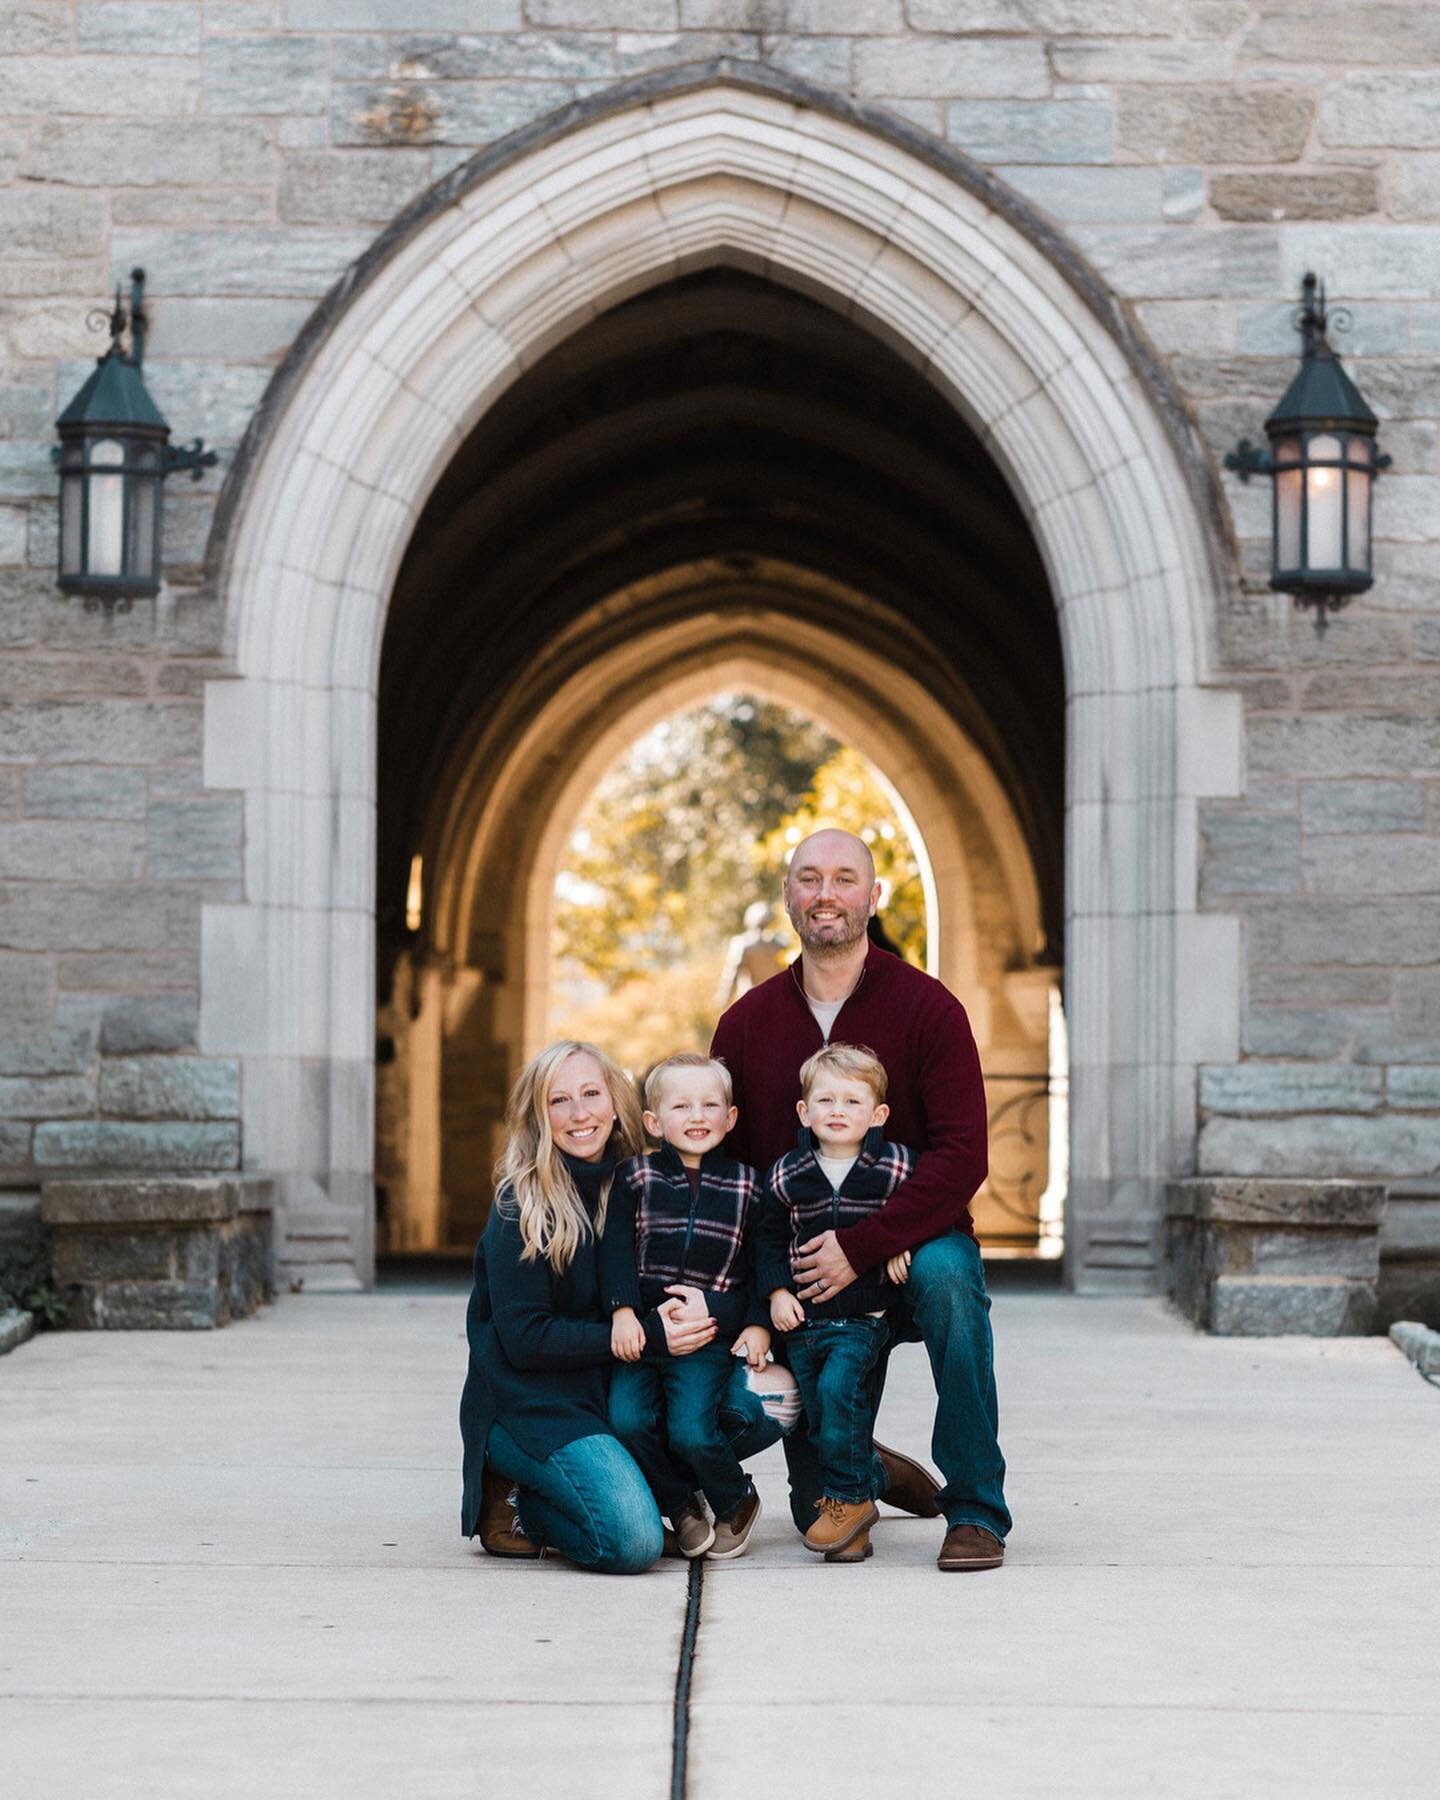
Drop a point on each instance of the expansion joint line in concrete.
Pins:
(680, 1735)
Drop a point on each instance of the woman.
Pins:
(533, 1414)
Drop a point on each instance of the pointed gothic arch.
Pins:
(503, 261)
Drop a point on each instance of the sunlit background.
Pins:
(668, 903)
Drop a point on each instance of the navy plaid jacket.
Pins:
(798, 1203)
(654, 1237)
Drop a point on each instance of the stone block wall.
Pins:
(1202, 154)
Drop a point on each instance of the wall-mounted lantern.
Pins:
(1324, 461)
(114, 453)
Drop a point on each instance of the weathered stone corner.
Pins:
(136, 1253)
(1266, 1258)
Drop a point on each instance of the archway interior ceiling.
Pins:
(714, 436)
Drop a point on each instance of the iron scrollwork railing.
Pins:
(1020, 1146)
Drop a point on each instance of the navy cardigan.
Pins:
(540, 1357)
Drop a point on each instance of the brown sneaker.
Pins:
(732, 1535)
(857, 1550)
(840, 1522)
(693, 1531)
(970, 1547)
(669, 1546)
(500, 1533)
(908, 1484)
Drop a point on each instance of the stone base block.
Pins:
(1410, 1255)
(1263, 1258)
(16, 1327)
(136, 1253)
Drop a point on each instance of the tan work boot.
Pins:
(840, 1523)
(693, 1531)
(968, 1547)
(500, 1533)
(732, 1535)
(857, 1550)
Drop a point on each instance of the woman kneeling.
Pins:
(533, 1413)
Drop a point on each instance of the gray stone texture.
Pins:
(323, 186)
(170, 1087)
(147, 27)
(161, 1255)
(195, 840)
(16, 1328)
(152, 1022)
(1031, 131)
(1339, 193)
(1395, 111)
(263, 75)
(1014, 68)
(1260, 124)
(1249, 1088)
(1272, 1258)
(111, 1144)
(137, 153)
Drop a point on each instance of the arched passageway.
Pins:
(717, 483)
(546, 528)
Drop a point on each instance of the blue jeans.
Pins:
(587, 1500)
(834, 1360)
(946, 1306)
(666, 1414)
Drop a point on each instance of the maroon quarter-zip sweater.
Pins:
(918, 1029)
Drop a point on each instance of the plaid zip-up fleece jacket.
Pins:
(798, 1203)
(655, 1237)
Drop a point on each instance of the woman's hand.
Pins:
(898, 1267)
(753, 1344)
(627, 1335)
(683, 1334)
(786, 1312)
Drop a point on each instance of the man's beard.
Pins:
(825, 949)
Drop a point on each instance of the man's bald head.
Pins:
(830, 891)
(831, 845)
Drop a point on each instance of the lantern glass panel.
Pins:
(72, 511)
(1289, 484)
(1286, 450)
(1357, 515)
(144, 498)
(107, 508)
(1324, 505)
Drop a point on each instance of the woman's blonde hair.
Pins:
(553, 1220)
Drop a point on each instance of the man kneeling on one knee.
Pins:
(846, 990)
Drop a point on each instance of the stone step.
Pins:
(319, 1277)
(1291, 1306)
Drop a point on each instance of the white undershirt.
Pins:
(826, 1012)
(836, 1168)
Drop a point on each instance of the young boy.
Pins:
(679, 1217)
(842, 1171)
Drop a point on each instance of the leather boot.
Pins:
(840, 1523)
(857, 1550)
(909, 1484)
(500, 1533)
(969, 1547)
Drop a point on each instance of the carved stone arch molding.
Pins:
(504, 260)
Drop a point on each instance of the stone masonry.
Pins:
(1202, 154)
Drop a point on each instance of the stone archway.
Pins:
(506, 260)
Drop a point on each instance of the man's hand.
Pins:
(786, 1312)
(688, 1304)
(753, 1344)
(627, 1335)
(898, 1267)
(822, 1268)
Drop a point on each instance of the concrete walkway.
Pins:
(229, 1566)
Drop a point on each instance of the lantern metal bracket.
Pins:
(194, 457)
(1248, 459)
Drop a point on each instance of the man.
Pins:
(847, 988)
